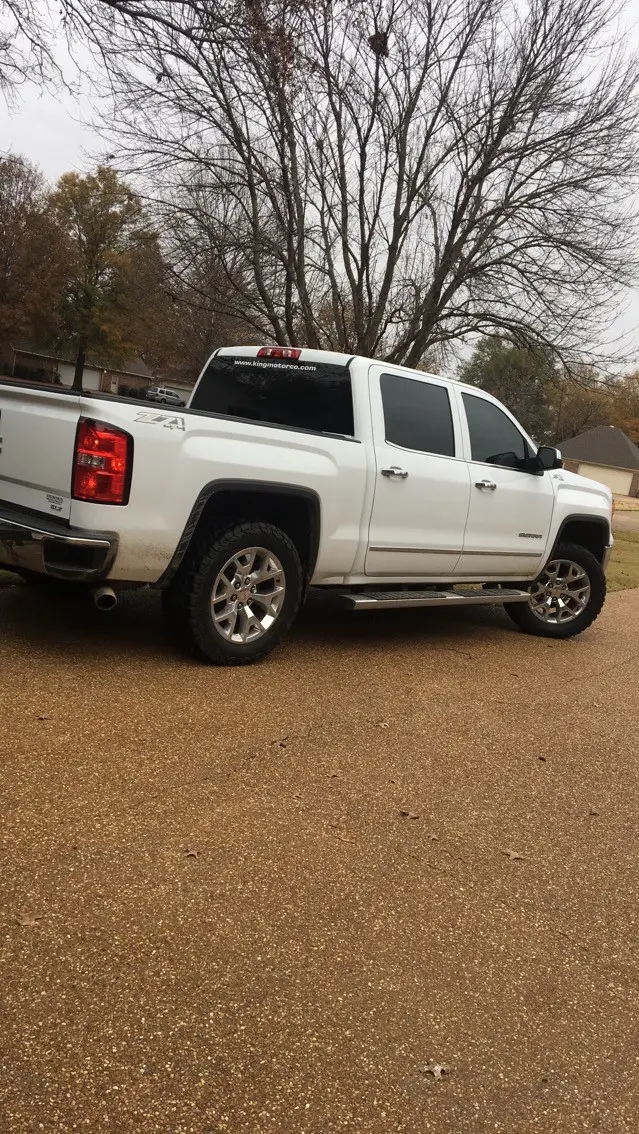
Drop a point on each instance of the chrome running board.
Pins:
(459, 596)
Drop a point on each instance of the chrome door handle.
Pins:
(488, 484)
(395, 471)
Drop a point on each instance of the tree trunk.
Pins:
(79, 368)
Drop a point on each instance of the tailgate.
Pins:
(37, 439)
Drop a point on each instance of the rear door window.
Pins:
(417, 415)
(314, 397)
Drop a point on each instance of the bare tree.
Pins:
(29, 29)
(391, 176)
(24, 42)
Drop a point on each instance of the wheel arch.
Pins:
(591, 532)
(297, 511)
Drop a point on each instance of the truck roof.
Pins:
(308, 354)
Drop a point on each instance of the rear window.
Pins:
(313, 396)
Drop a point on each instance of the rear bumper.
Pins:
(606, 556)
(44, 545)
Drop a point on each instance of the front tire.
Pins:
(565, 598)
(236, 595)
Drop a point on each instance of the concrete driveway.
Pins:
(280, 899)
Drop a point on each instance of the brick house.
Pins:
(45, 366)
(606, 454)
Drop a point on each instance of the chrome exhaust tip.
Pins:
(105, 598)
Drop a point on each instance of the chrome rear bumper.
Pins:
(43, 545)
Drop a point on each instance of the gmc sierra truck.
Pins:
(292, 468)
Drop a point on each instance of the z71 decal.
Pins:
(168, 422)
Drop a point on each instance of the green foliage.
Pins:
(551, 404)
(32, 256)
(524, 380)
(110, 246)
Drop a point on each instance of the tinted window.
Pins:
(417, 415)
(314, 396)
(493, 437)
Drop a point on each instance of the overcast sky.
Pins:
(52, 130)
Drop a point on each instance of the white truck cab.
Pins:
(290, 467)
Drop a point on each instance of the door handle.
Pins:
(395, 471)
(488, 484)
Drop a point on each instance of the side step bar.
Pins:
(460, 596)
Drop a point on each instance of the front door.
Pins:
(510, 507)
(422, 482)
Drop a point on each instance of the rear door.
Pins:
(37, 438)
(422, 483)
(510, 506)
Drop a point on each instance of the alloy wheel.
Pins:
(561, 593)
(248, 595)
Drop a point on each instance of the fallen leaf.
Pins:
(409, 814)
(434, 838)
(191, 854)
(345, 839)
(593, 812)
(437, 1070)
(28, 920)
(384, 724)
(44, 716)
(513, 855)
(542, 758)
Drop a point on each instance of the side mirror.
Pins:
(548, 458)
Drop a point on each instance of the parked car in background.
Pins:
(162, 394)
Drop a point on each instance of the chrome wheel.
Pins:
(561, 593)
(248, 595)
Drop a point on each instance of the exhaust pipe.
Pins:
(105, 598)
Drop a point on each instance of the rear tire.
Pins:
(220, 622)
(565, 598)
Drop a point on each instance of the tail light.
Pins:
(279, 352)
(103, 463)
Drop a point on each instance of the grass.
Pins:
(623, 569)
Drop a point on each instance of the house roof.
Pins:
(603, 445)
(135, 366)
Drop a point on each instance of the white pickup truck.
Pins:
(292, 467)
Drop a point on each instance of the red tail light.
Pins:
(279, 352)
(103, 463)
